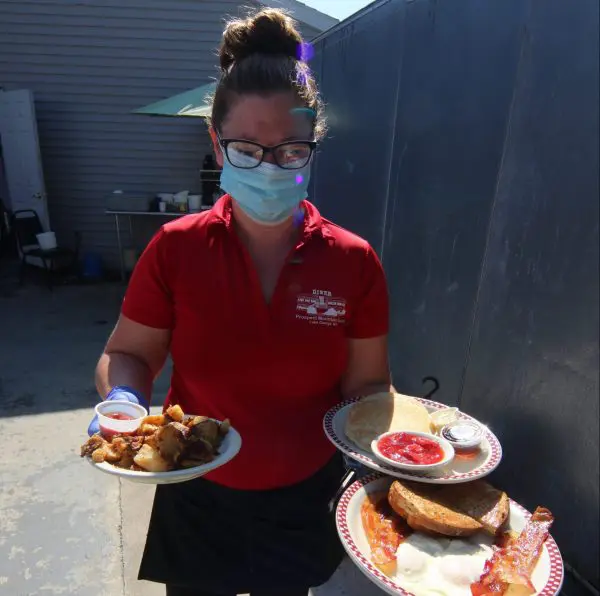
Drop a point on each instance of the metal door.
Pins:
(21, 152)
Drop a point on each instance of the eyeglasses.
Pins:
(292, 155)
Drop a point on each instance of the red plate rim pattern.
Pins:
(555, 577)
(491, 464)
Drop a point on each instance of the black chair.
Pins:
(26, 225)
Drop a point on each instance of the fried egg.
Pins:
(430, 566)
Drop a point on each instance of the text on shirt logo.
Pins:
(321, 308)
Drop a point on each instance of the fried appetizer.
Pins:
(163, 442)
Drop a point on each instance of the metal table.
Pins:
(129, 215)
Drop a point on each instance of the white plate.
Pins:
(459, 470)
(227, 451)
(547, 577)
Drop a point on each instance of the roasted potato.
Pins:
(98, 456)
(171, 440)
(154, 420)
(205, 428)
(151, 460)
(148, 429)
(224, 427)
(93, 443)
(106, 453)
(175, 412)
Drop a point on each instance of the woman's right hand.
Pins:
(133, 357)
(120, 393)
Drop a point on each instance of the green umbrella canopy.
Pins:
(190, 103)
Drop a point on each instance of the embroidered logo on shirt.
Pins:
(321, 308)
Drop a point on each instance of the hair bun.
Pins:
(269, 31)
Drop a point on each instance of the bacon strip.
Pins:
(509, 570)
(385, 531)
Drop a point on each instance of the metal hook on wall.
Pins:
(436, 386)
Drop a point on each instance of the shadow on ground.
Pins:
(50, 342)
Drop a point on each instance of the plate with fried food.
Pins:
(353, 425)
(414, 539)
(165, 449)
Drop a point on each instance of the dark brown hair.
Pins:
(263, 54)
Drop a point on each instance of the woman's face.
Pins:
(267, 120)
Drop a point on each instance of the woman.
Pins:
(272, 315)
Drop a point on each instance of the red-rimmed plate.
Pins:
(547, 577)
(459, 470)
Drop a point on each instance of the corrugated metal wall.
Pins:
(533, 367)
(89, 63)
(464, 146)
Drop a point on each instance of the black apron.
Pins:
(204, 535)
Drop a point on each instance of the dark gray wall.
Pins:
(464, 146)
(533, 369)
(357, 154)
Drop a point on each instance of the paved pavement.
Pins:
(65, 528)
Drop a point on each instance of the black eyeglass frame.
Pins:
(224, 143)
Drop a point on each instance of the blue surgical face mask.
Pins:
(268, 194)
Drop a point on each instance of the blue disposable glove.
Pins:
(120, 393)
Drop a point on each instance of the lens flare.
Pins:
(309, 111)
(299, 178)
(305, 52)
(302, 72)
(298, 216)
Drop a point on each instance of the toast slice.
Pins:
(424, 509)
(481, 501)
(455, 510)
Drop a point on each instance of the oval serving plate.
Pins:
(547, 577)
(227, 451)
(459, 470)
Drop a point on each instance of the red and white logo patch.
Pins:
(321, 308)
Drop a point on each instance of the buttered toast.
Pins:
(481, 501)
(423, 511)
(455, 510)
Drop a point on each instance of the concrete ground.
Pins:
(65, 528)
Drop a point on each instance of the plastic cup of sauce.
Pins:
(119, 417)
(464, 436)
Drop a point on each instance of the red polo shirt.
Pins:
(272, 369)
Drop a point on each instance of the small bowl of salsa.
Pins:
(119, 417)
(413, 451)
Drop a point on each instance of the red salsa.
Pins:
(108, 433)
(118, 416)
(406, 448)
